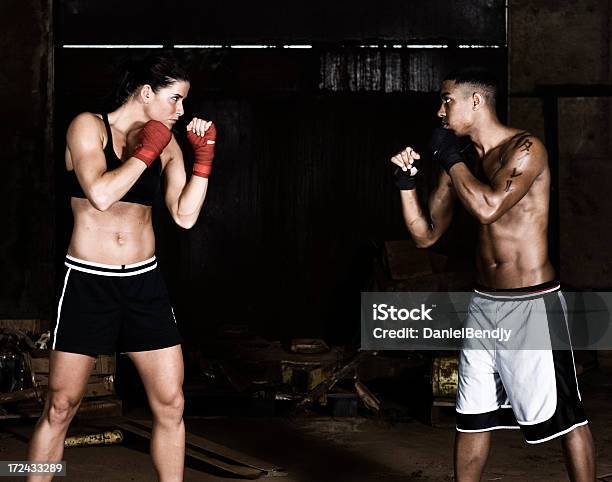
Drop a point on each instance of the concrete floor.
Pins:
(342, 449)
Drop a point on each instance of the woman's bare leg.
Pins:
(68, 375)
(162, 375)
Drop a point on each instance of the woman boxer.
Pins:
(113, 297)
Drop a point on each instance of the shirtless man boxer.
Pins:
(508, 193)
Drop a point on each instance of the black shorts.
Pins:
(107, 308)
(504, 386)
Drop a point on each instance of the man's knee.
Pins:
(169, 408)
(61, 409)
(472, 447)
(580, 434)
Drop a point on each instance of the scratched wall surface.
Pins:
(26, 244)
(550, 43)
(559, 53)
(301, 196)
(396, 70)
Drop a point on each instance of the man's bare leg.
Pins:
(68, 375)
(471, 452)
(579, 454)
(162, 375)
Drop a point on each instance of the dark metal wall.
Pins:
(301, 196)
(561, 89)
(301, 192)
(315, 21)
(26, 184)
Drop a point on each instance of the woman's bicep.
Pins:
(86, 149)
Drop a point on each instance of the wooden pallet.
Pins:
(99, 398)
(92, 408)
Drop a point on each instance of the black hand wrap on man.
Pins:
(445, 147)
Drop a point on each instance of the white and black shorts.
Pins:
(107, 308)
(503, 386)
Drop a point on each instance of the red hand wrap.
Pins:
(204, 152)
(153, 138)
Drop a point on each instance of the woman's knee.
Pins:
(169, 407)
(61, 409)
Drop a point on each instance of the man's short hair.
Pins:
(481, 78)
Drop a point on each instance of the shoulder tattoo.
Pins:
(522, 146)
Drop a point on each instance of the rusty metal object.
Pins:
(43, 340)
(218, 450)
(104, 438)
(318, 393)
(216, 455)
(444, 377)
(367, 397)
(19, 395)
(304, 376)
(287, 397)
(308, 346)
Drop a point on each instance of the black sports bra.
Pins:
(144, 189)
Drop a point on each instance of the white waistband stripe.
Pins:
(110, 266)
(517, 294)
(110, 273)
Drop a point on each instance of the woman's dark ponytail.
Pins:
(159, 69)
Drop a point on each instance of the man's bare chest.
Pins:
(488, 166)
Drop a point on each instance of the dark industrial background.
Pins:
(301, 205)
(300, 199)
